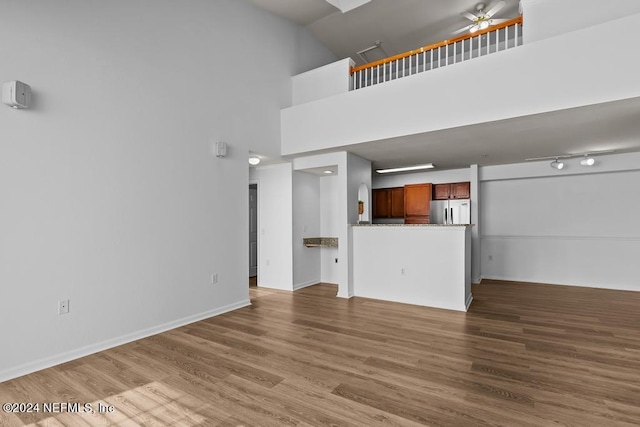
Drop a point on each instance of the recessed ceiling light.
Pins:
(328, 172)
(254, 160)
(407, 168)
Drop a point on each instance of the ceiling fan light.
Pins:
(473, 29)
(588, 161)
(483, 25)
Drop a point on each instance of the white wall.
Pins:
(110, 194)
(275, 225)
(548, 18)
(434, 177)
(476, 230)
(306, 223)
(564, 228)
(330, 226)
(572, 81)
(358, 173)
(332, 79)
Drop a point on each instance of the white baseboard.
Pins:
(276, 287)
(67, 356)
(305, 284)
(555, 283)
(345, 296)
(468, 302)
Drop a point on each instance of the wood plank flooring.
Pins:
(524, 355)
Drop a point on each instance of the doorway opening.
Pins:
(253, 235)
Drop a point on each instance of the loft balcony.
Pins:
(541, 66)
(497, 38)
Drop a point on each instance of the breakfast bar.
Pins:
(426, 264)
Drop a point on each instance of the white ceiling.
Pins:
(400, 25)
(403, 25)
(610, 126)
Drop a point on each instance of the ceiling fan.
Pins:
(482, 19)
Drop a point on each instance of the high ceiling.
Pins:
(403, 25)
(400, 25)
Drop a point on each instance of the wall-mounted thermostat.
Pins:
(16, 94)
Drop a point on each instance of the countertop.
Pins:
(320, 242)
(412, 225)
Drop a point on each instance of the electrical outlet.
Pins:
(490, 257)
(214, 278)
(402, 271)
(63, 306)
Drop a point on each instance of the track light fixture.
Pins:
(556, 164)
(587, 161)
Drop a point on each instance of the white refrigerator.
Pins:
(450, 211)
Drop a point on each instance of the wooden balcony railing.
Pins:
(493, 39)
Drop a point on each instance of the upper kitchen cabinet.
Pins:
(380, 202)
(388, 202)
(396, 202)
(417, 199)
(456, 190)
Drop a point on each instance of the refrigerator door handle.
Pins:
(451, 216)
(445, 216)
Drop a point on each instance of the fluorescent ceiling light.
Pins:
(328, 172)
(254, 160)
(407, 168)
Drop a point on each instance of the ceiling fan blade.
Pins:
(462, 30)
(469, 16)
(495, 8)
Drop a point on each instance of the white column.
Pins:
(476, 273)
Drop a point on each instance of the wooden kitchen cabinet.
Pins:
(380, 203)
(396, 202)
(455, 190)
(441, 191)
(461, 190)
(388, 202)
(417, 200)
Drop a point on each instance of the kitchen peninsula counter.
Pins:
(412, 225)
(422, 264)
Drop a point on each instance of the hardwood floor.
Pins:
(524, 355)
